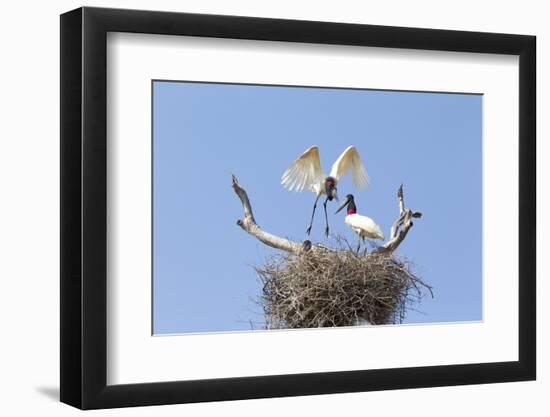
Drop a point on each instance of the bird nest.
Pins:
(337, 288)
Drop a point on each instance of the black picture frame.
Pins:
(84, 208)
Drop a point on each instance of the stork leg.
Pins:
(308, 231)
(358, 243)
(326, 216)
(364, 246)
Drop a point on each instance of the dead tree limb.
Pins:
(248, 223)
(400, 227)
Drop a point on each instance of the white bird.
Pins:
(362, 225)
(306, 173)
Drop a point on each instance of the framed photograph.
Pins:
(257, 208)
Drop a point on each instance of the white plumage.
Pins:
(306, 172)
(350, 160)
(364, 226)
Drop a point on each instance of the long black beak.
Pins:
(344, 204)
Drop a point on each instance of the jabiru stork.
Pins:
(362, 225)
(306, 173)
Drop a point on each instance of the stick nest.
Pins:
(337, 288)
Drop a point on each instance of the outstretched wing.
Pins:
(305, 172)
(350, 160)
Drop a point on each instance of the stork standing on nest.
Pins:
(306, 173)
(362, 225)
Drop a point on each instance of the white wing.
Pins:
(364, 226)
(350, 160)
(304, 172)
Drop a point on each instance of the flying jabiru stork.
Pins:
(362, 225)
(306, 173)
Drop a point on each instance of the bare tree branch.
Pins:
(399, 229)
(249, 225)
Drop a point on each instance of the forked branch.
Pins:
(400, 227)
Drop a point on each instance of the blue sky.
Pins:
(203, 277)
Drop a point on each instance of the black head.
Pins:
(349, 201)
